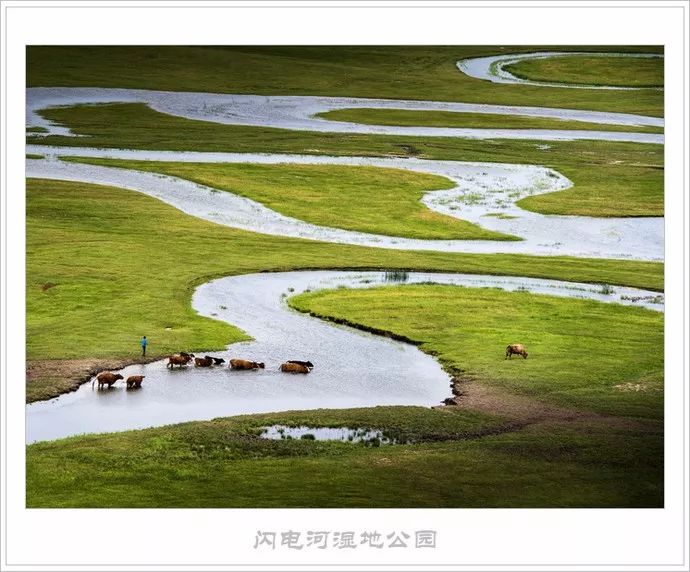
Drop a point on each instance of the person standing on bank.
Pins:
(144, 343)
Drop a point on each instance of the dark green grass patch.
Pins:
(223, 463)
(605, 357)
(394, 72)
(414, 118)
(365, 199)
(593, 166)
(592, 70)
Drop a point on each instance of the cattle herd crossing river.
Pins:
(395, 373)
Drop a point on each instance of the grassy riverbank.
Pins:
(611, 179)
(106, 265)
(585, 354)
(223, 463)
(592, 70)
(392, 72)
(414, 118)
(364, 199)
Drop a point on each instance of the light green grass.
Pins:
(579, 350)
(124, 264)
(592, 70)
(611, 179)
(413, 118)
(365, 199)
(393, 72)
(223, 463)
(34, 156)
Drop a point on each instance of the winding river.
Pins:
(297, 113)
(353, 368)
(483, 190)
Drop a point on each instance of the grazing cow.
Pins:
(290, 367)
(517, 349)
(304, 363)
(134, 381)
(185, 354)
(106, 378)
(246, 364)
(179, 359)
(218, 360)
(206, 361)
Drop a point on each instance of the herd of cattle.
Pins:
(291, 366)
(108, 378)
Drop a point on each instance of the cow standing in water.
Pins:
(106, 378)
(293, 367)
(245, 364)
(300, 362)
(134, 381)
(517, 349)
(179, 359)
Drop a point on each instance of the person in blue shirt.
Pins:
(144, 343)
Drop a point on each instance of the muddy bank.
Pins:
(50, 378)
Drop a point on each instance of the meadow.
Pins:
(390, 72)
(577, 424)
(622, 72)
(409, 117)
(223, 463)
(365, 199)
(582, 354)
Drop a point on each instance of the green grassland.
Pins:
(121, 263)
(222, 463)
(413, 118)
(392, 72)
(589, 70)
(105, 265)
(579, 350)
(611, 179)
(365, 199)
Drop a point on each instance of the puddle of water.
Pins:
(370, 437)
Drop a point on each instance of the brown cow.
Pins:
(106, 378)
(134, 381)
(291, 367)
(300, 362)
(179, 359)
(246, 364)
(206, 361)
(517, 349)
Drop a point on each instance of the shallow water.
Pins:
(481, 189)
(298, 113)
(491, 68)
(346, 434)
(351, 368)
